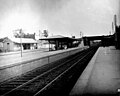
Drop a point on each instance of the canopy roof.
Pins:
(59, 38)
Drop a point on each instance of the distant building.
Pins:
(14, 44)
(29, 36)
(42, 44)
(1, 44)
(17, 35)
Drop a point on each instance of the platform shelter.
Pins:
(61, 42)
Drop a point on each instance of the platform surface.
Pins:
(8, 59)
(101, 76)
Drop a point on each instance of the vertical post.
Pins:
(80, 34)
(21, 40)
(113, 28)
(39, 34)
(49, 44)
(57, 45)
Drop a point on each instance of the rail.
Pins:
(41, 82)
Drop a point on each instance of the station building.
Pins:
(14, 44)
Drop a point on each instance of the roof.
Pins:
(98, 37)
(53, 37)
(24, 40)
(57, 37)
(1, 40)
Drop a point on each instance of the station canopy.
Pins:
(59, 38)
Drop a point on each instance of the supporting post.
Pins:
(49, 44)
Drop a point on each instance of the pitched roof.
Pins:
(2, 39)
(24, 40)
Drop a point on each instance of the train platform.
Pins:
(13, 65)
(14, 58)
(24, 51)
(11, 58)
(102, 75)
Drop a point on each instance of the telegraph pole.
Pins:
(20, 33)
(39, 34)
(21, 40)
(81, 34)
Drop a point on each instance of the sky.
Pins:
(59, 17)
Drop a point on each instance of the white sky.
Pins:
(59, 17)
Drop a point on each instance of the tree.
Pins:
(45, 33)
(16, 35)
(19, 33)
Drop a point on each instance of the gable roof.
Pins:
(24, 40)
(2, 39)
(17, 40)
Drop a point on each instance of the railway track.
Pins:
(39, 82)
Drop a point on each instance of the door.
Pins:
(8, 46)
